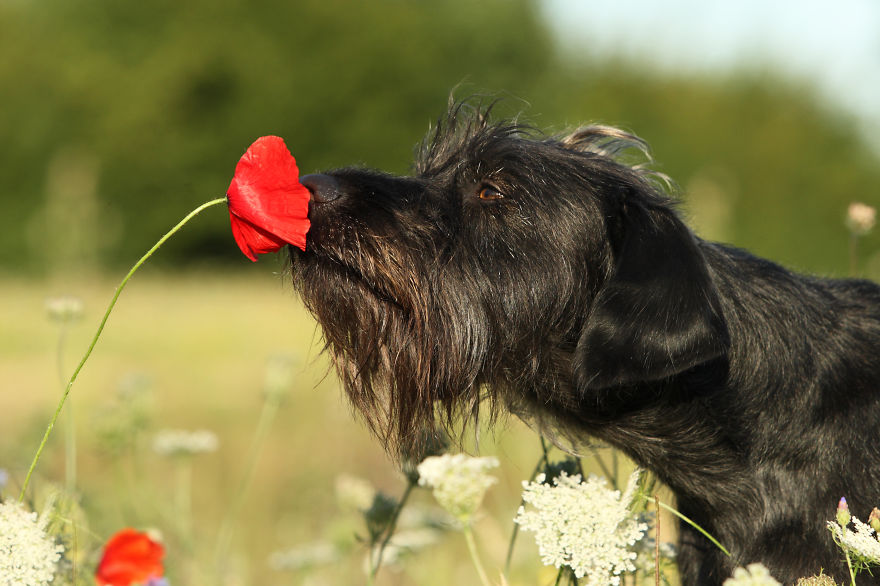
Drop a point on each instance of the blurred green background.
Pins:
(118, 118)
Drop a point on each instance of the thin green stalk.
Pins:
(612, 476)
(853, 255)
(657, 543)
(97, 335)
(227, 529)
(615, 469)
(543, 462)
(472, 549)
(70, 432)
(692, 524)
(183, 496)
(389, 530)
(852, 574)
(559, 576)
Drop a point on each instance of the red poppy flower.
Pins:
(268, 206)
(130, 557)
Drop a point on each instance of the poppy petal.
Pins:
(130, 557)
(252, 240)
(265, 193)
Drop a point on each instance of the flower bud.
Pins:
(843, 515)
(380, 515)
(874, 520)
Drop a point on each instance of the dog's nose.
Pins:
(324, 188)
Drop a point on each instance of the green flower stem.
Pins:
(389, 530)
(610, 474)
(563, 570)
(183, 496)
(70, 432)
(854, 254)
(472, 549)
(657, 542)
(852, 574)
(97, 335)
(271, 405)
(691, 523)
(543, 463)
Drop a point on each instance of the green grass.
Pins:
(203, 340)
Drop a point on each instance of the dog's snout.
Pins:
(324, 188)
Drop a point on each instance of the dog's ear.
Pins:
(658, 314)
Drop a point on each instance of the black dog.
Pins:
(548, 277)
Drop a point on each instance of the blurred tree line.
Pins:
(117, 118)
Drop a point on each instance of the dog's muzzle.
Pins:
(324, 188)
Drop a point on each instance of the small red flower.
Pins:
(268, 206)
(130, 557)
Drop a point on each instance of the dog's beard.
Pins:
(408, 349)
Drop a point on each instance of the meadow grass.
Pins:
(202, 341)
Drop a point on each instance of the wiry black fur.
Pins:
(581, 301)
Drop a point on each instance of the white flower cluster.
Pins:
(304, 556)
(583, 525)
(177, 442)
(752, 575)
(28, 557)
(860, 218)
(405, 543)
(279, 376)
(65, 308)
(862, 542)
(353, 493)
(459, 482)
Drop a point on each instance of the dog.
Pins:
(552, 278)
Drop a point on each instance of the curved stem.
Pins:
(692, 524)
(389, 531)
(853, 255)
(612, 476)
(271, 405)
(472, 548)
(70, 432)
(657, 542)
(543, 463)
(97, 335)
(852, 575)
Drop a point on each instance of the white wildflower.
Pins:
(752, 575)
(28, 557)
(459, 482)
(353, 493)
(304, 556)
(176, 442)
(405, 543)
(583, 525)
(279, 376)
(860, 218)
(862, 542)
(65, 308)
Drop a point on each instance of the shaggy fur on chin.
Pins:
(548, 277)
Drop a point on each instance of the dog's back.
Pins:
(795, 407)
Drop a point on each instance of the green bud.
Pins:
(843, 515)
(874, 520)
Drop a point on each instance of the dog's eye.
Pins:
(489, 192)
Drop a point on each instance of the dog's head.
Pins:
(511, 265)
